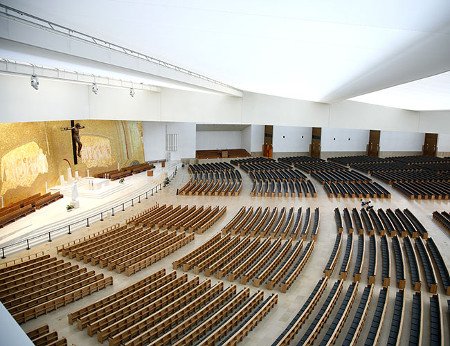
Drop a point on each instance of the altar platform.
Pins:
(95, 196)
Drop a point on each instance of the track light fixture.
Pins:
(34, 81)
(95, 88)
(132, 92)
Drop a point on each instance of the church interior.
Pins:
(223, 173)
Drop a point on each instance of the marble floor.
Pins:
(288, 303)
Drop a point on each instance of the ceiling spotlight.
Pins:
(34, 81)
(132, 92)
(94, 88)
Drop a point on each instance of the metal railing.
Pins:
(47, 25)
(67, 229)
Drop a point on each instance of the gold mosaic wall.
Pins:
(33, 154)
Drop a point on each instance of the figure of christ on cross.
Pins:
(76, 142)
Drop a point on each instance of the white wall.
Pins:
(207, 140)
(59, 100)
(246, 138)
(357, 115)
(443, 142)
(401, 141)
(257, 138)
(186, 139)
(290, 139)
(435, 122)
(265, 109)
(342, 140)
(155, 140)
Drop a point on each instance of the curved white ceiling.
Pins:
(319, 50)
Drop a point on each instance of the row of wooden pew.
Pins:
(419, 250)
(26, 206)
(443, 218)
(356, 190)
(261, 261)
(273, 188)
(311, 165)
(125, 171)
(271, 223)
(353, 333)
(134, 246)
(167, 309)
(417, 177)
(218, 179)
(424, 189)
(40, 284)
(42, 336)
(275, 179)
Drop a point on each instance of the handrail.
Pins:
(47, 236)
(43, 23)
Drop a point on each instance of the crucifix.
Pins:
(76, 142)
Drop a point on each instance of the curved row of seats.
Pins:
(43, 336)
(167, 309)
(219, 179)
(440, 264)
(340, 177)
(356, 190)
(261, 188)
(397, 318)
(302, 315)
(378, 318)
(135, 246)
(274, 223)
(26, 206)
(314, 165)
(424, 190)
(39, 285)
(347, 257)
(418, 177)
(271, 178)
(385, 262)
(260, 261)
(442, 218)
(329, 267)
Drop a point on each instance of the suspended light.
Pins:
(34, 81)
(132, 92)
(95, 88)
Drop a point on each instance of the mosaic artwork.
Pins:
(22, 165)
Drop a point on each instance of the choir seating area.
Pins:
(417, 177)
(338, 180)
(126, 171)
(221, 153)
(26, 206)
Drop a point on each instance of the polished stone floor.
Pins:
(288, 303)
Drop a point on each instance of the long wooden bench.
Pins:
(299, 319)
(359, 318)
(323, 314)
(341, 316)
(42, 336)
